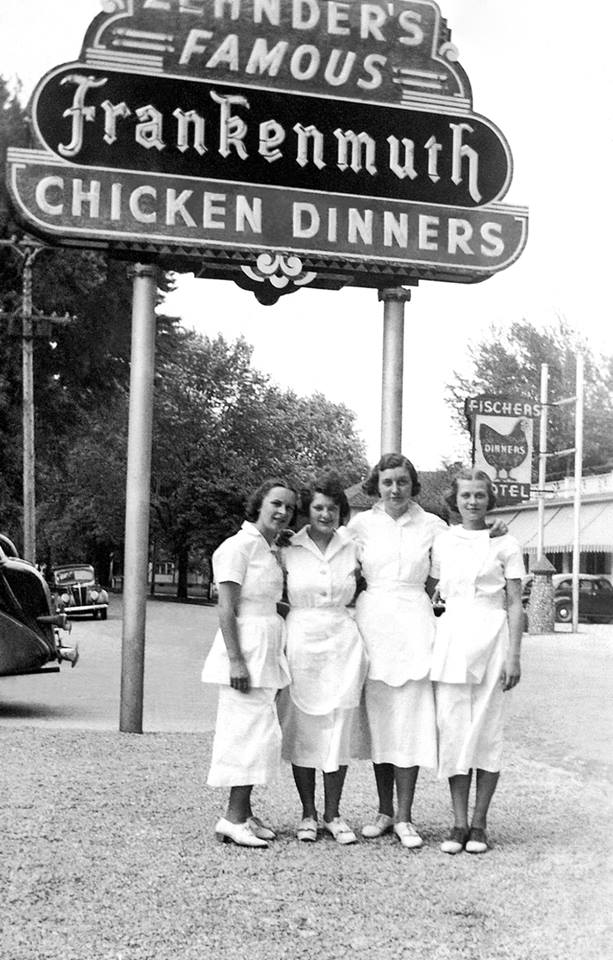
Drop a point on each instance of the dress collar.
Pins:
(412, 513)
(340, 537)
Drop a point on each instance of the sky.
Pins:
(538, 70)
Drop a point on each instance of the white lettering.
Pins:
(408, 167)
(183, 123)
(428, 232)
(409, 21)
(360, 226)
(81, 196)
(395, 229)
(135, 208)
(358, 142)
(370, 66)
(337, 14)
(263, 60)
(459, 233)
(462, 151)
(112, 113)
(78, 111)
(214, 205)
(176, 205)
(272, 135)
(493, 244)
(149, 130)
(305, 229)
(302, 153)
(42, 200)
(313, 59)
(193, 45)
(248, 215)
(232, 129)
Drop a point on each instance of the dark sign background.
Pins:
(167, 94)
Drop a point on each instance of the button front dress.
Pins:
(471, 646)
(394, 615)
(325, 652)
(247, 741)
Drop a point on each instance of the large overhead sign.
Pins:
(339, 134)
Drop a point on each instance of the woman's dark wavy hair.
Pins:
(389, 461)
(470, 473)
(329, 484)
(254, 503)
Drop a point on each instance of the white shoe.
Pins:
(239, 833)
(408, 835)
(382, 824)
(340, 831)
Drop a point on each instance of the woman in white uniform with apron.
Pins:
(476, 655)
(326, 656)
(248, 662)
(395, 618)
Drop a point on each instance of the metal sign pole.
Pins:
(540, 548)
(577, 494)
(394, 300)
(136, 552)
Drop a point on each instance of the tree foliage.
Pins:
(508, 363)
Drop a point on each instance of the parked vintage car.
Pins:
(77, 591)
(595, 597)
(30, 637)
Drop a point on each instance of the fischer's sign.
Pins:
(341, 131)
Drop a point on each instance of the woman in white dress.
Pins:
(248, 662)
(326, 656)
(394, 615)
(476, 654)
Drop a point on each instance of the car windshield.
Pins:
(74, 574)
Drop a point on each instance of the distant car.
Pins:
(30, 638)
(595, 597)
(77, 591)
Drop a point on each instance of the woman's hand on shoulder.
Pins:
(239, 675)
(284, 538)
(498, 528)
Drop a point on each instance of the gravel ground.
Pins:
(108, 854)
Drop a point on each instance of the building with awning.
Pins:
(595, 524)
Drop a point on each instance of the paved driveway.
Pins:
(560, 709)
(87, 697)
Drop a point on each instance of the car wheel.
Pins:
(94, 614)
(103, 614)
(564, 612)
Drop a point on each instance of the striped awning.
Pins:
(595, 527)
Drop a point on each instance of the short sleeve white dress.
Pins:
(394, 615)
(247, 742)
(326, 655)
(471, 646)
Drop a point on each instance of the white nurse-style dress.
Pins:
(247, 742)
(394, 615)
(471, 646)
(325, 652)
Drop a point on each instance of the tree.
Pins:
(220, 427)
(509, 362)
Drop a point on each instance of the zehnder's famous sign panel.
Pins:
(317, 142)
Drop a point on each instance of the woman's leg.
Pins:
(239, 804)
(304, 778)
(333, 788)
(487, 781)
(384, 777)
(405, 778)
(459, 786)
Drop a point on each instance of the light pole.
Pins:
(28, 249)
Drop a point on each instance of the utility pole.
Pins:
(394, 300)
(28, 249)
